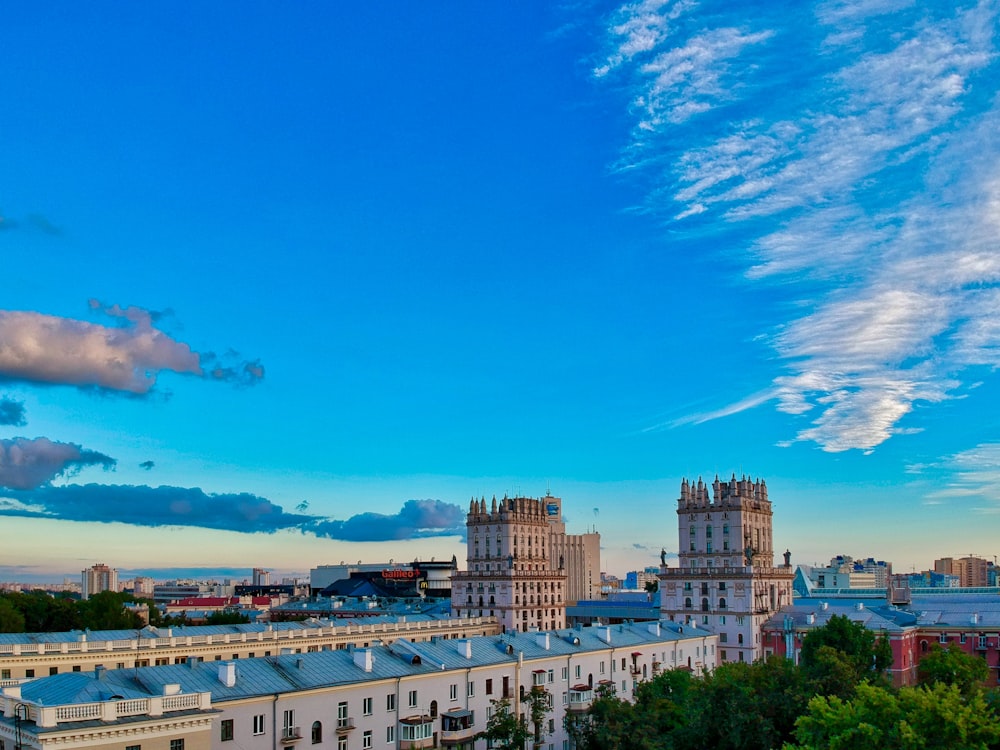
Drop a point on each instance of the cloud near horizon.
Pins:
(143, 505)
(863, 179)
(125, 358)
(26, 464)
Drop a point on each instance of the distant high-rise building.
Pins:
(971, 570)
(726, 579)
(142, 586)
(522, 566)
(261, 577)
(96, 579)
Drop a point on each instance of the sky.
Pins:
(284, 286)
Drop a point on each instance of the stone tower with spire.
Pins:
(726, 578)
(511, 572)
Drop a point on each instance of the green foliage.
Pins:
(921, 718)
(11, 620)
(952, 666)
(39, 612)
(226, 618)
(841, 654)
(504, 729)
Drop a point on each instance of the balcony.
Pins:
(345, 725)
(456, 727)
(581, 698)
(416, 733)
(290, 735)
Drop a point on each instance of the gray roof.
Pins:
(294, 672)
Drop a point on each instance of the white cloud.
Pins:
(873, 175)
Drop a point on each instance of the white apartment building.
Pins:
(403, 695)
(96, 579)
(726, 579)
(29, 655)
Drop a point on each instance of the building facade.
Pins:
(96, 579)
(31, 655)
(403, 695)
(971, 571)
(519, 563)
(726, 579)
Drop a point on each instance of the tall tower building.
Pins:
(726, 579)
(513, 570)
(96, 579)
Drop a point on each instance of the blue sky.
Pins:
(287, 286)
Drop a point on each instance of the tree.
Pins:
(505, 730)
(11, 620)
(226, 618)
(920, 718)
(842, 653)
(539, 702)
(952, 666)
(652, 586)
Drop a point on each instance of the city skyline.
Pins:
(287, 288)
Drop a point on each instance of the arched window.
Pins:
(317, 733)
(687, 602)
(739, 638)
(923, 647)
(704, 604)
(434, 709)
(722, 602)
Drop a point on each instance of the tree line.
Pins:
(40, 612)
(837, 698)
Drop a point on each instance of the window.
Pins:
(420, 731)
(258, 724)
(576, 671)
(177, 744)
(29, 673)
(53, 670)
(317, 733)
(600, 668)
(565, 674)
(289, 729)
(489, 684)
(366, 706)
(341, 743)
(390, 733)
(226, 730)
(552, 675)
(390, 702)
(5, 674)
(453, 692)
(412, 699)
(127, 747)
(366, 740)
(342, 720)
(472, 689)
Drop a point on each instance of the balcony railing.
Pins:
(290, 734)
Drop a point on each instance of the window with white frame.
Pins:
(258, 724)
(411, 699)
(366, 706)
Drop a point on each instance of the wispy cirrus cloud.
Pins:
(28, 464)
(974, 473)
(857, 147)
(126, 357)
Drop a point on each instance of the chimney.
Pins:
(363, 658)
(99, 671)
(654, 629)
(464, 648)
(542, 639)
(227, 674)
(604, 633)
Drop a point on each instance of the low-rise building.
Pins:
(30, 655)
(401, 695)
